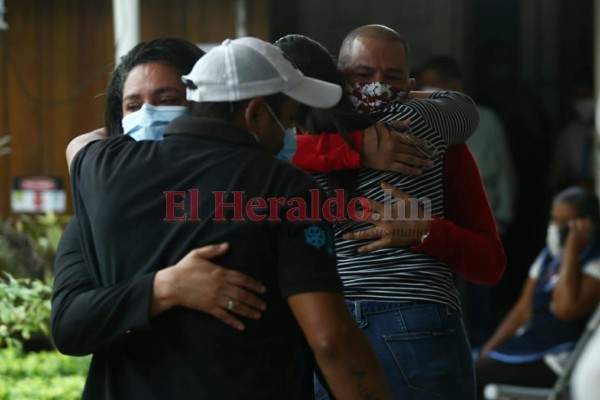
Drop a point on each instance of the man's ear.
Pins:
(411, 84)
(252, 114)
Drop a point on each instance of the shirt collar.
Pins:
(210, 128)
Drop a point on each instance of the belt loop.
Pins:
(358, 311)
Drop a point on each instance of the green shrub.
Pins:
(28, 244)
(24, 309)
(27, 247)
(45, 375)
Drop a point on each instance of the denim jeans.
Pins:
(422, 347)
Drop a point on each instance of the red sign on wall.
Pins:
(38, 193)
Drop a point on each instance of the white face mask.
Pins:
(555, 239)
(149, 122)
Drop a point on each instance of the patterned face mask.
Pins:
(374, 96)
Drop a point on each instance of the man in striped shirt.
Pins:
(405, 301)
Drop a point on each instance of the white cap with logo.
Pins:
(247, 67)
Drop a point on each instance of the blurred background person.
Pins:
(529, 347)
(490, 148)
(573, 159)
(488, 143)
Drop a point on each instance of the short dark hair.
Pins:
(373, 31)
(446, 66)
(583, 201)
(179, 53)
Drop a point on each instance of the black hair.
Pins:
(584, 202)
(447, 67)
(176, 52)
(314, 60)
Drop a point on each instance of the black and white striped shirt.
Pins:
(399, 274)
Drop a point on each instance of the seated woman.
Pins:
(562, 289)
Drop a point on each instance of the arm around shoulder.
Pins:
(453, 115)
(81, 141)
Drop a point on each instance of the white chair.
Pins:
(559, 391)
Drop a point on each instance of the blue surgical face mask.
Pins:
(149, 122)
(290, 144)
(290, 140)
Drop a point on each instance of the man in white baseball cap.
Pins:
(248, 67)
(244, 71)
(213, 179)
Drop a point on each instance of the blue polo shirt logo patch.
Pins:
(317, 237)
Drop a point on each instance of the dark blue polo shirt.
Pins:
(142, 206)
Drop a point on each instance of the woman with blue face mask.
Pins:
(562, 289)
(148, 75)
(144, 94)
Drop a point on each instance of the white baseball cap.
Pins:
(248, 67)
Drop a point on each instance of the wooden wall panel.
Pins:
(207, 21)
(258, 20)
(24, 72)
(56, 58)
(4, 160)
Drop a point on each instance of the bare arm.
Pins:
(342, 351)
(575, 294)
(80, 141)
(518, 316)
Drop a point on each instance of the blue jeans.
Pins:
(422, 347)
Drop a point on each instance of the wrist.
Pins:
(163, 295)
